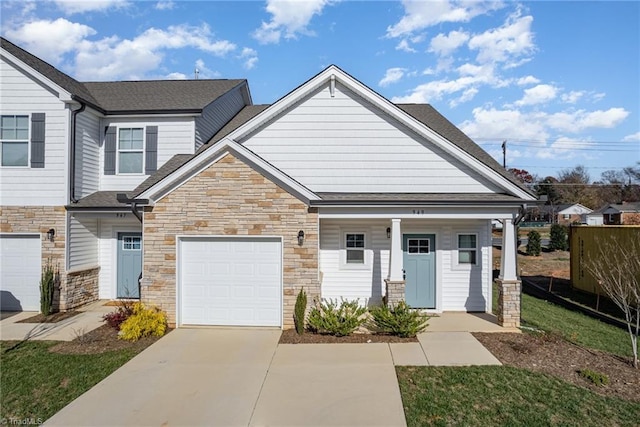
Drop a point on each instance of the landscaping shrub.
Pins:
(558, 238)
(595, 377)
(299, 311)
(143, 322)
(47, 284)
(399, 320)
(533, 244)
(122, 313)
(329, 318)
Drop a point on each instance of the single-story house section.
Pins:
(625, 213)
(336, 190)
(570, 214)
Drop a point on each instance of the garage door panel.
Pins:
(231, 281)
(20, 264)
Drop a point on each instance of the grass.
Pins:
(37, 383)
(503, 395)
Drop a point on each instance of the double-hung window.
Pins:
(467, 249)
(355, 245)
(14, 137)
(130, 150)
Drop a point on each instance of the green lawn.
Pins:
(36, 383)
(504, 396)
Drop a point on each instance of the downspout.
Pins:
(122, 198)
(72, 159)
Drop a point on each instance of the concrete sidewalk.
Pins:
(65, 330)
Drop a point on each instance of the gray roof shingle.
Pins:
(99, 200)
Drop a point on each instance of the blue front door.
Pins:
(419, 260)
(129, 264)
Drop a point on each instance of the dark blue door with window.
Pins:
(129, 264)
(419, 262)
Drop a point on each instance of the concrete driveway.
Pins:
(241, 377)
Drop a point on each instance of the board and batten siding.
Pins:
(83, 242)
(217, 114)
(108, 239)
(344, 144)
(27, 186)
(458, 288)
(175, 136)
(87, 154)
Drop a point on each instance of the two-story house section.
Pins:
(67, 149)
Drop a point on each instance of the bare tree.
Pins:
(616, 267)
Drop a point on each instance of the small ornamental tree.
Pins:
(47, 284)
(558, 238)
(533, 243)
(299, 311)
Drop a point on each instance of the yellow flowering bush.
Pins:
(144, 321)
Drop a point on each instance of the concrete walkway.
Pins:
(65, 330)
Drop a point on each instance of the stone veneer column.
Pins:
(395, 283)
(509, 295)
(395, 291)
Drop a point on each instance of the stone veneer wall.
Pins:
(81, 287)
(229, 198)
(509, 297)
(39, 219)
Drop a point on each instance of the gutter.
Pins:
(122, 198)
(72, 159)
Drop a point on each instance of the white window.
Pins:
(355, 245)
(130, 150)
(131, 243)
(418, 246)
(14, 137)
(566, 216)
(467, 248)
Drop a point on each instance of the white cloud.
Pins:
(633, 137)
(577, 121)
(113, 58)
(288, 19)
(204, 72)
(82, 6)
(466, 96)
(538, 95)
(562, 148)
(250, 57)
(507, 43)
(505, 124)
(419, 15)
(176, 76)
(573, 96)
(528, 80)
(165, 5)
(405, 46)
(50, 40)
(446, 44)
(393, 75)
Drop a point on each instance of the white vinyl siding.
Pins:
(83, 242)
(109, 226)
(344, 144)
(25, 186)
(217, 114)
(457, 289)
(175, 136)
(87, 154)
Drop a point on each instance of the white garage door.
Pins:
(20, 262)
(230, 281)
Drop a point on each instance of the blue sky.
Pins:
(558, 80)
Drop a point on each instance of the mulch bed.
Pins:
(52, 318)
(101, 340)
(290, 336)
(553, 355)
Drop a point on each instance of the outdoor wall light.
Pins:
(300, 237)
(388, 232)
(51, 234)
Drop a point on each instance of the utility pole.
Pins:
(504, 154)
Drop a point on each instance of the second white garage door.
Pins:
(230, 281)
(20, 263)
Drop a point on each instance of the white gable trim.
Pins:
(576, 209)
(333, 73)
(63, 94)
(215, 153)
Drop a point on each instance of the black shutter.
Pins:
(110, 151)
(37, 140)
(151, 150)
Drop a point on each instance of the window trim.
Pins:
(142, 150)
(28, 141)
(459, 249)
(344, 265)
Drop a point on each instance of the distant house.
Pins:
(625, 213)
(571, 214)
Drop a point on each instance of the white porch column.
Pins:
(509, 252)
(395, 282)
(395, 253)
(509, 287)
